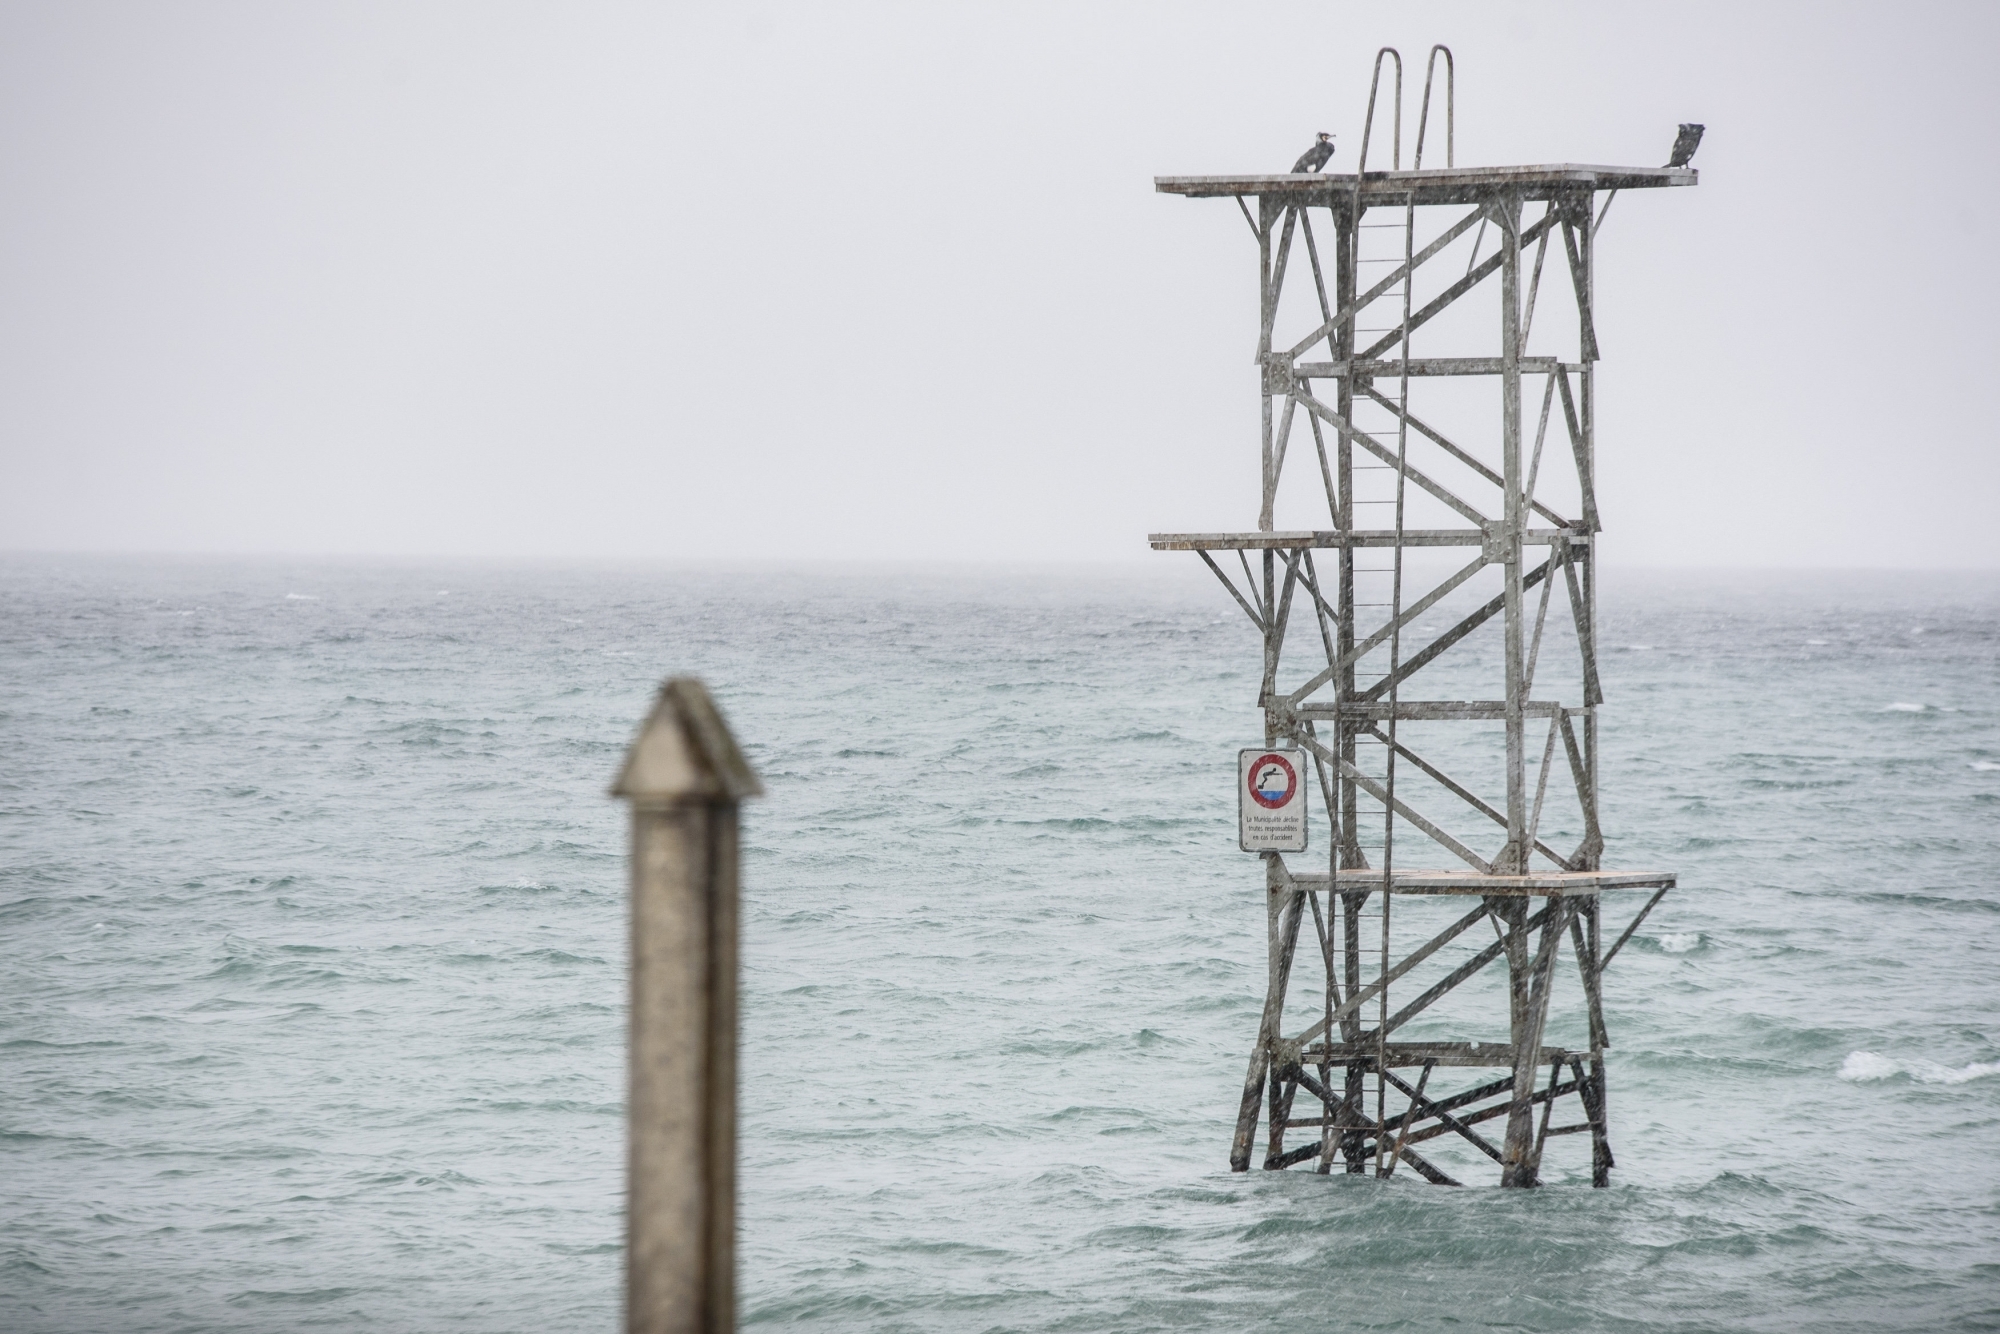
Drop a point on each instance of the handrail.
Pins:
(1450, 108)
(1369, 128)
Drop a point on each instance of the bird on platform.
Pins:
(1315, 157)
(1685, 143)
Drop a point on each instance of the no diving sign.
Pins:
(1270, 800)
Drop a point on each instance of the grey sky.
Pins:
(868, 281)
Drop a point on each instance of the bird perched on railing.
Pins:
(1685, 143)
(1315, 157)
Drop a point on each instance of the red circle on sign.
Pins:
(1263, 789)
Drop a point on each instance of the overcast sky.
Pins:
(856, 281)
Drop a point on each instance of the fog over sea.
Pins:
(312, 903)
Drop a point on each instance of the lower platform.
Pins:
(1552, 884)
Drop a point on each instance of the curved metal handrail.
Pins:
(1368, 129)
(1450, 109)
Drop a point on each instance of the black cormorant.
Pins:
(1685, 143)
(1315, 157)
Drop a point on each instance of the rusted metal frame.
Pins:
(1250, 582)
(1403, 809)
(1497, 1110)
(1358, 998)
(1247, 219)
(1627, 934)
(1521, 1166)
(1265, 522)
(1535, 644)
(1355, 1087)
(1284, 1088)
(1542, 782)
(1351, 306)
(1446, 1122)
(1461, 287)
(1435, 1175)
(1587, 411)
(1462, 792)
(1374, 641)
(1374, 789)
(1416, 609)
(1541, 434)
(1288, 1159)
(1403, 1133)
(1342, 427)
(1549, 1111)
(1454, 979)
(1389, 801)
(1593, 693)
(1309, 578)
(1535, 285)
(1452, 636)
(1586, 799)
(1319, 277)
(1438, 439)
(1241, 601)
(1275, 638)
(1586, 968)
(1332, 348)
(1588, 332)
(1273, 271)
(1282, 933)
(1507, 216)
(1595, 1097)
(1579, 443)
(1421, 367)
(1591, 1090)
(1324, 929)
(1350, 853)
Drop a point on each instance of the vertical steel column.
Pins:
(1507, 214)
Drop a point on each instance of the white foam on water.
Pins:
(1900, 707)
(301, 597)
(1819, 642)
(1869, 1067)
(1679, 942)
(1984, 766)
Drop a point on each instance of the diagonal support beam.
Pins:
(1455, 291)
(1229, 584)
(1388, 456)
(1462, 792)
(1437, 438)
(1356, 306)
(1363, 995)
(1444, 641)
(1375, 640)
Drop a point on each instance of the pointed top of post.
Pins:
(685, 753)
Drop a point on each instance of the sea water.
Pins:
(313, 918)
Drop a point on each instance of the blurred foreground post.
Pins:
(684, 777)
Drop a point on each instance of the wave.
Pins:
(1866, 1067)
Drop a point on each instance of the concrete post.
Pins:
(684, 778)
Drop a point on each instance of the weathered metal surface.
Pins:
(1440, 185)
(1344, 705)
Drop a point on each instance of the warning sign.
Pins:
(1270, 800)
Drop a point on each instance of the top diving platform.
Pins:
(1445, 185)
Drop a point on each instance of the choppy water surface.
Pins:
(312, 909)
